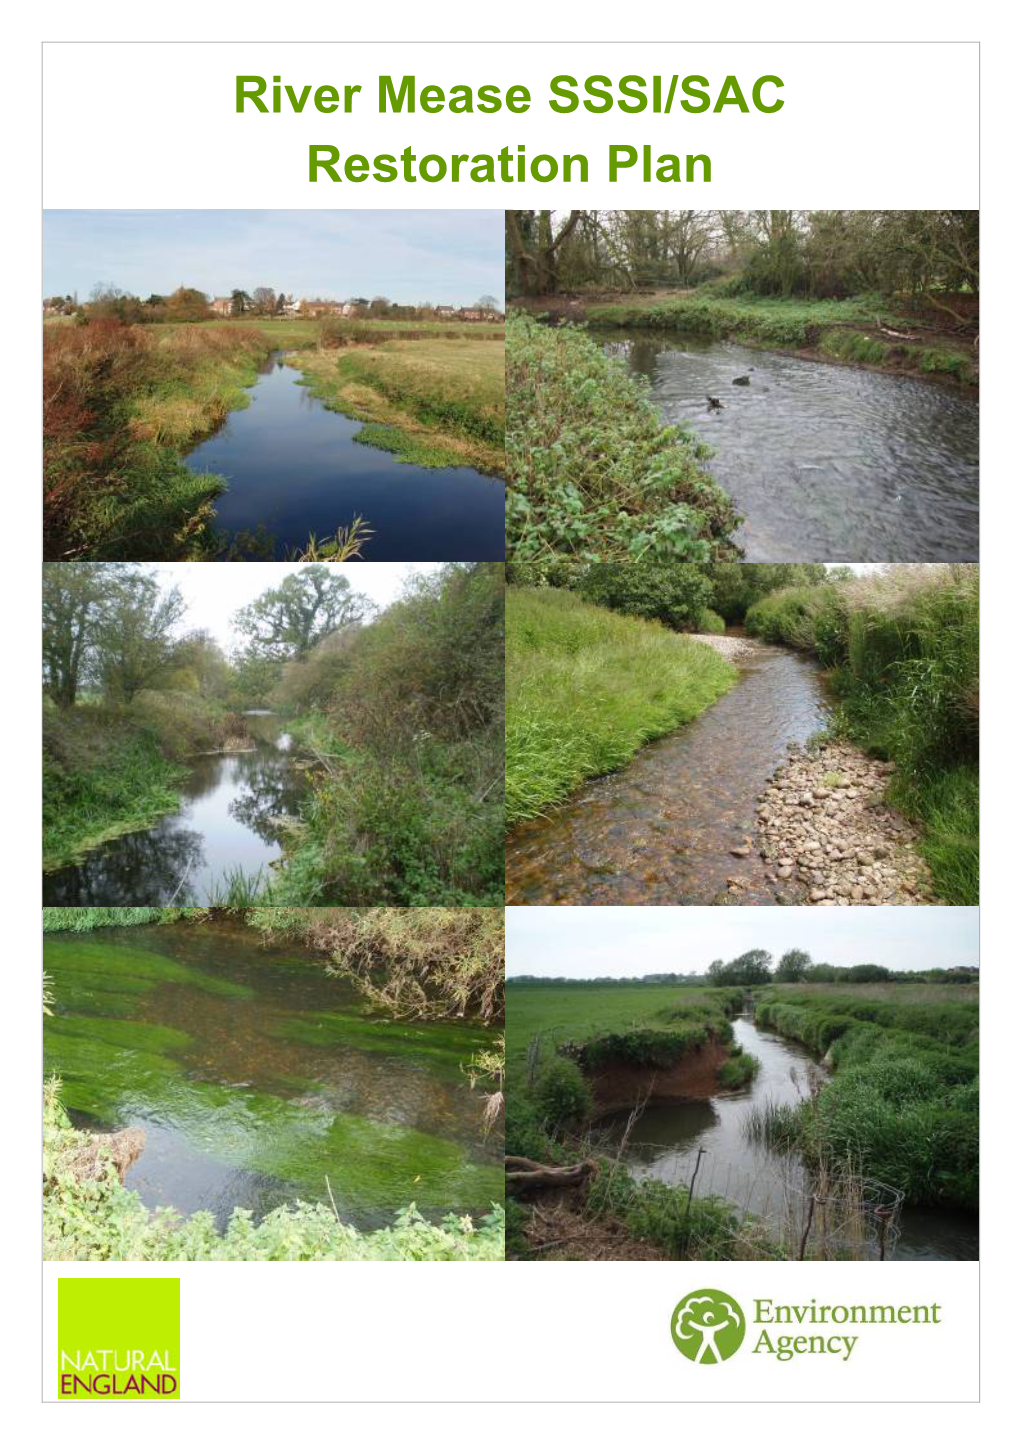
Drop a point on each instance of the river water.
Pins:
(294, 470)
(666, 1138)
(825, 462)
(233, 806)
(255, 1077)
(659, 832)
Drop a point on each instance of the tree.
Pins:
(76, 595)
(240, 303)
(286, 621)
(134, 639)
(656, 590)
(487, 303)
(534, 244)
(264, 300)
(793, 965)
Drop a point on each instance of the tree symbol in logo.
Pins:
(708, 1326)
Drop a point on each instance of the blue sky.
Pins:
(449, 257)
(631, 941)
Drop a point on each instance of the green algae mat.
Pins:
(259, 1080)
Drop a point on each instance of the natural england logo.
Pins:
(118, 1338)
(708, 1326)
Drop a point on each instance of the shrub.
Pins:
(562, 1096)
(710, 622)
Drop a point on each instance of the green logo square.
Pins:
(118, 1338)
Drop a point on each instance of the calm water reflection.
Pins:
(294, 469)
(233, 805)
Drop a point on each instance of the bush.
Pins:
(710, 622)
(676, 595)
(562, 1096)
(409, 712)
(903, 646)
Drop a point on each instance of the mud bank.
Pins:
(619, 1086)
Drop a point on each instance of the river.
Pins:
(659, 832)
(295, 469)
(664, 1144)
(825, 462)
(256, 1076)
(233, 805)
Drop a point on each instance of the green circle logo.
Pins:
(708, 1326)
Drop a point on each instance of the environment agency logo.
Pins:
(118, 1338)
(708, 1326)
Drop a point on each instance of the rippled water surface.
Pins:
(256, 1077)
(825, 462)
(665, 1141)
(659, 832)
(233, 807)
(294, 469)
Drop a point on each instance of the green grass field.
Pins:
(586, 688)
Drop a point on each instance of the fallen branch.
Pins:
(523, 1173)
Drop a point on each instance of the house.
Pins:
(221, 306)
(447, 312)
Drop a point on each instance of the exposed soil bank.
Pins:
(618, 1086)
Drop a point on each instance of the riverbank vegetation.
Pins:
(592, 470)
(125, 399)
(901, 647)
(895, 290)
(903, 1098)
(586, 688)
(430, 983)
(403, 719)
(126, 700)
(396, 720)
(431, 397)
(892, 1111)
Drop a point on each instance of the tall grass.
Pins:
(593, 471)
(119, 405)
(903, 1100)
(903, 649)
(586, 688)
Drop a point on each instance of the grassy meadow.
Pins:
(586, 688)
(434, 398)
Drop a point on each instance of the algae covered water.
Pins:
(256, 1077)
